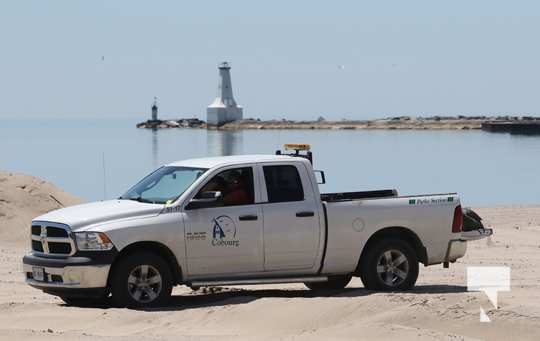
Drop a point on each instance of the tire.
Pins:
(389, 265)
(333, 283)
(141, 280)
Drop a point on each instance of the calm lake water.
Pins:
(484, 168)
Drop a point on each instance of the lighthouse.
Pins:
(154, 110)
(224, 108)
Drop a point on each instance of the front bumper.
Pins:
(66, 274)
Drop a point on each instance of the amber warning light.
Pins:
(296, 146)
(304, 148)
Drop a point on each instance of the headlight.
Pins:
(93, 241)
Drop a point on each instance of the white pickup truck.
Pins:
(239, 220)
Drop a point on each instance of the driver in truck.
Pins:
(236, 193)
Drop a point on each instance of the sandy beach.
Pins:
(440, 307)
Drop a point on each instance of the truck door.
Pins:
(291, 218)
(226, 237)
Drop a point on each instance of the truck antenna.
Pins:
(104, 177)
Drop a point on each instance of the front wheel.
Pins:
(389, 265)
(333, 283)
(141, 280)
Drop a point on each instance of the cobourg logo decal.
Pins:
(224, 232)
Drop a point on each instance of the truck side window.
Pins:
(235, 185)
(283, 183)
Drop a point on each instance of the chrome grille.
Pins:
(52, 239)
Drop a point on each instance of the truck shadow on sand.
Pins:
(221, 296)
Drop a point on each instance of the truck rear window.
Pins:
(283, 183)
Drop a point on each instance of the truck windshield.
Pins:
(164, 184)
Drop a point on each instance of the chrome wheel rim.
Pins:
(392, 268)
(144, 283)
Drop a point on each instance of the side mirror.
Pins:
(321, 179)
(204, 200)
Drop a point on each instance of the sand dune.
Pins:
(439, 308)
(24, 197)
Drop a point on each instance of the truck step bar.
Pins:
(258, 281)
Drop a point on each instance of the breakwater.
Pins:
(512, 124)
(531, 127)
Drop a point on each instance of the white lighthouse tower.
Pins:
(224, 108)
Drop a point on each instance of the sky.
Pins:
(293, 59)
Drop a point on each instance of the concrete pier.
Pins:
(523, 127)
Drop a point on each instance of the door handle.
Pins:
(305, 214)
(248, 217)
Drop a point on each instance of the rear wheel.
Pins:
(333, 283)
(388, 265)
(141, 280)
